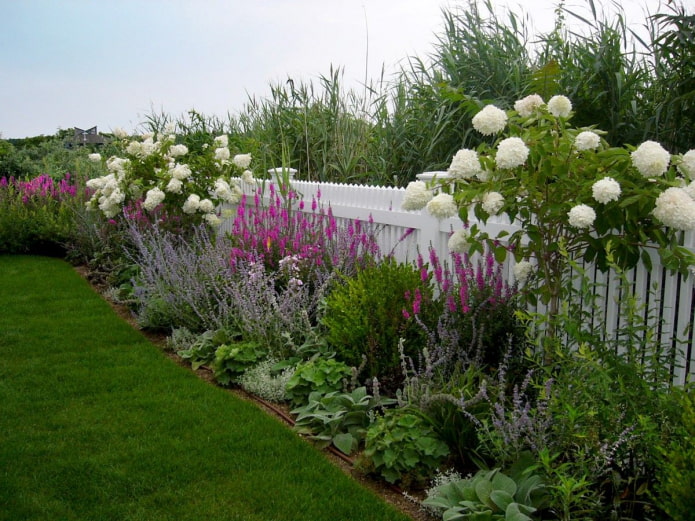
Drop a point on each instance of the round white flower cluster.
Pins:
(676, 209)
(651, 159)
(442, 206)
(522, 271)
(606, 190)
(95, 158)
(180, 171)
(242, 160)
(511, 152)
(581, 216)
(493, 202)
(107, 194)
(247, 177)
(416, 196)
(174, 186)
(153, 198)
(690, 189)
(178, 151)
(459, 242)
(490, 120)
(227, 193)
(222, 155)
(587, 140)
(528, 105)
(192, 203)
(560, 106)
(221, 141)
(464, 165)
(687, 165)
(120, 133)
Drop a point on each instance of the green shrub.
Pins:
(201, 350)
(403, 448)
(364, 318)
(675, 484)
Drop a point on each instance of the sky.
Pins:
(110, 63)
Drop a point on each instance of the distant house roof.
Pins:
(87, 137)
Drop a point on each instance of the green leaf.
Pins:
(501, 498)
(345, 443)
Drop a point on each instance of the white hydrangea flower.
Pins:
(442, 206)
(581, 216)
(117, 166)
(222, 141)
(459, 242)
(153, 198)
(242, 160)
(206, 206)
(120, 133)
(686, 166)
(181, 172)
(178, 150)
(490, 120)
(493, 202)
(174, 186)
(587, 140)
(222, 154)
(464, 165)
(651, 159)
(511, 152)
(416, 196)
(192, 203)
(606, 190)
(96, 183)
(522, 271)
(528, 105)
(675, 209)
(690, 189)
(247, 177)
(134, 148)
(560, 106)
(224, 191)
(170, 127)
(212, 219)
(95, 157)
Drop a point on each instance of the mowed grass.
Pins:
(96, 423)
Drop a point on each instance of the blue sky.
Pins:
(109, 63)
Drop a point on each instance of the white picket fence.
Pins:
(407, 233)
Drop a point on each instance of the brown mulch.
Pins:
(390, 494)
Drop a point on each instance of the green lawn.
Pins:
(96, 423)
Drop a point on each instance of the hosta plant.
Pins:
(231, 360)
(403, 448)
(322, 375)
(336, 418)
(489, 495)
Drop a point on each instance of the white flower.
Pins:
(416, 196)
(522, 271)
(560, 106)
(192, 203)
(120, 133)
(587, 140)
(459, 242)
(690, 189)
(153, 198)
(222, 154)
(442, 206)
(222, 141)
(581, 216)
(170, 127)
(606, 190)
(651, 159)
(206, 206)
(242, 160)
(490, 120)
(96, 157)
(528, 105)
(493, 202)
(181, 172)
(687, 165)
(464, 165)
(676, 209)
(212, 219)
(96, 183)
(511, 152)
(224, 191)
(178, 150)
(247, 177)
(174, 186)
